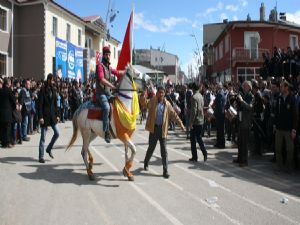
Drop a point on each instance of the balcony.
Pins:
(253, 55)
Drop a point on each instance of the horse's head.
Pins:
(127, 80)
(130, 71)
(127, 89)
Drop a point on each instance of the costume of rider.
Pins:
(103, 92)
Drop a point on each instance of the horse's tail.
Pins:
(75, 130)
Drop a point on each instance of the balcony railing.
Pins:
(248, 55)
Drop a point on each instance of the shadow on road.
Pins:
(59, 174)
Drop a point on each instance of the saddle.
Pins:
(96, 113)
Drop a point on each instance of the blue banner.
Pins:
(79, 64)
(61, 58)
(68, 60)
(71, 61)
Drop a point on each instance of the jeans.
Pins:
(196, 135)
(15, 127)
(103, 101)
(153, 138)
(24, 126)
(42, 139)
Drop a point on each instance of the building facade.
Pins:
(28, 33)
(159, 60)
(6, 48)
(237, 53)
(95, 39)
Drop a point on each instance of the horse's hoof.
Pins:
(131, 178)
(92, 177)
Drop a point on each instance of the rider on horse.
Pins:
(104, 86)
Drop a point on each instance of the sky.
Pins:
(170, 24)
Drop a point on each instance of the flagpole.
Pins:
(131, 46)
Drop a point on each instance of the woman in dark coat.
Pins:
(7, 105)
(48, 115)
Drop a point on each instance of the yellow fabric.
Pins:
(128, 120)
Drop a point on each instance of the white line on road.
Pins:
(240, 196)
(168, 215)
(236, 194)
(193, 196)
(240, 177)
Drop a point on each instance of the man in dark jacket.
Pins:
(7, 105)
(219, 113)
(48, 115)
(286, 126)
(196, 124)
(25, 100)
(258, 109)
(245, 110)
(75, 97)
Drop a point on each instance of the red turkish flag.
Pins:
(125, 55)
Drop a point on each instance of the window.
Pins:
(79, 37)
(114, 52)
(226, 43)
(88, 42)
(221, 50)
(3, 64)
(3, 19)
(293, 41)
(247, 73)
(251, 40)
(68, 36)
(216, 54)
(54, 26)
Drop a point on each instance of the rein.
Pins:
(124, 95)
(125, 89)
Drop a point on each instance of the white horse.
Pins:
(124, 111)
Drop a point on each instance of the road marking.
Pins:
(156, 205)
(100, 209)
(195, 197)
(240, 196)
(240, 177)
(236, 194)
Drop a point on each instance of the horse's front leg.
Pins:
(129, 161)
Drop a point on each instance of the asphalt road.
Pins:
(216, 192)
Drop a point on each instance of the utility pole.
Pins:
(199, 63)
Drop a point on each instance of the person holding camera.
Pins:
(245, 108)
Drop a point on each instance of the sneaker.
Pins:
(107, 137)
(193, 160)
(41, 161)
(146, 167)
(236, 161)
(166, 175)
(26, 139)
(50, 154)
(205, 157)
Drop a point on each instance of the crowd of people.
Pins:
(262, 114)
(258, 117)
(281, 63)
(20, 103)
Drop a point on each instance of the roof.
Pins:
(146, 70)
(257, 23)
(90, 18)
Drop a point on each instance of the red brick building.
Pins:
(238, 48)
